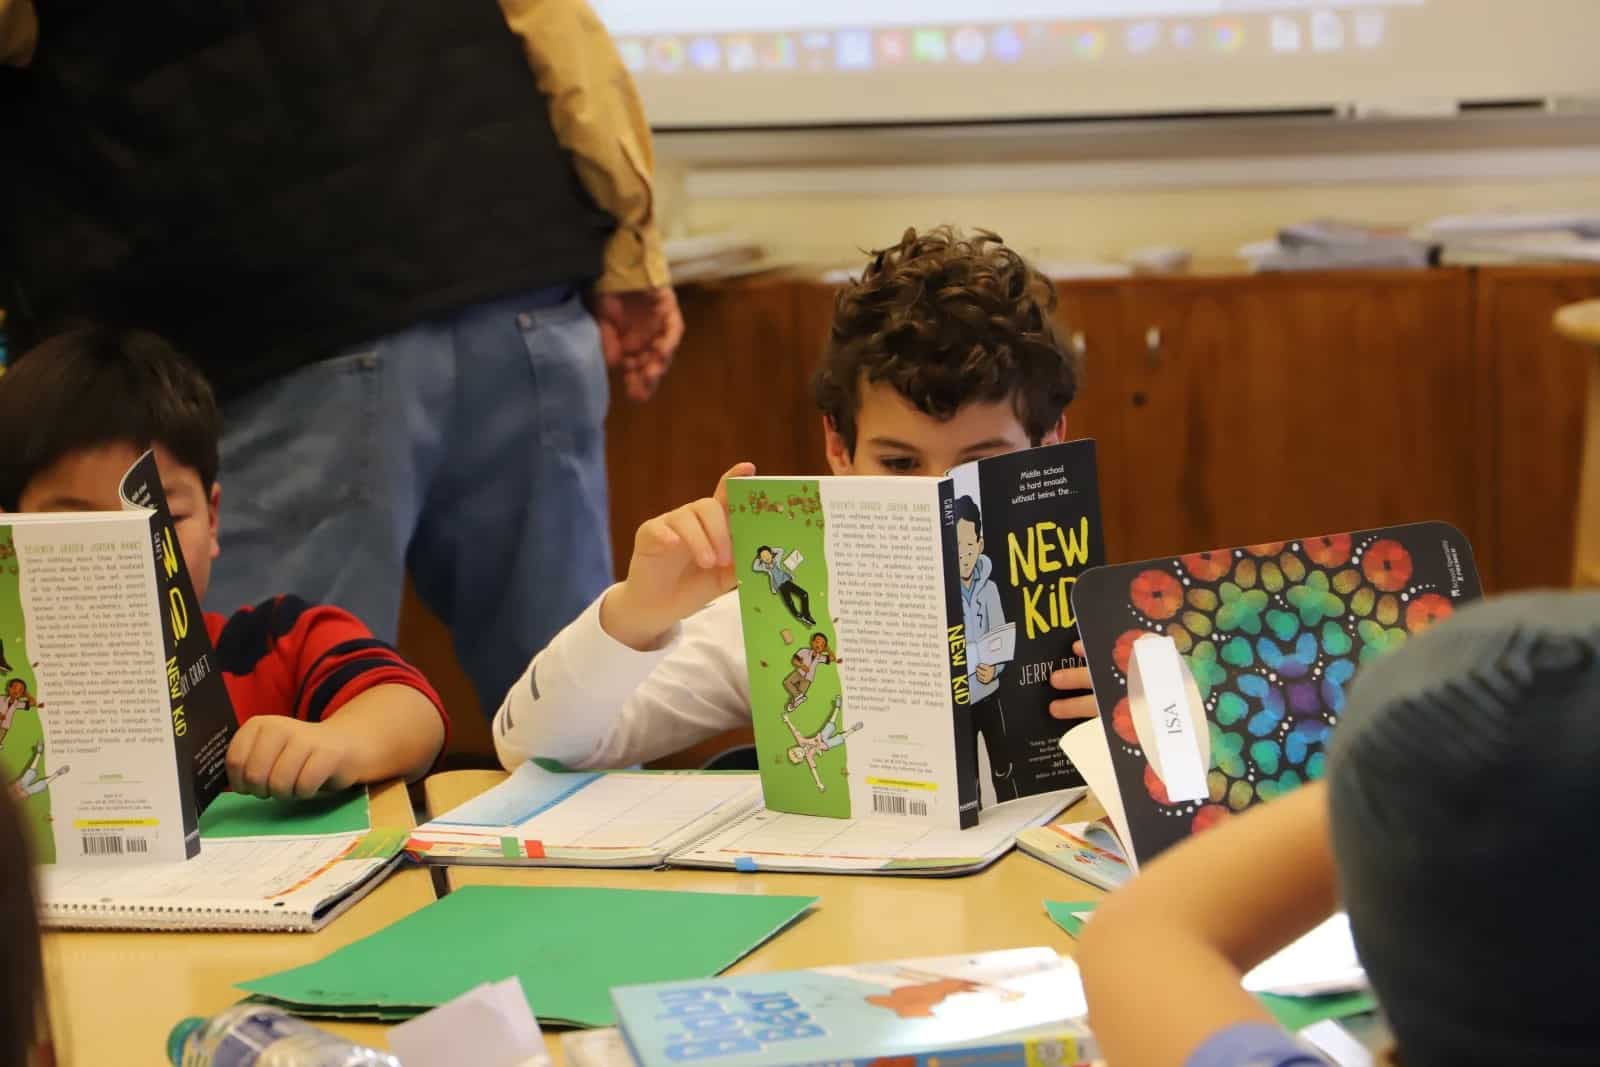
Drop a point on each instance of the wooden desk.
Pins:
(114, 997)
(858, 918)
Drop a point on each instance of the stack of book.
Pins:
(1334, 244)
(714, 256)
(1512, 237)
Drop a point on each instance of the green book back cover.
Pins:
(24, 762)
(851, 625)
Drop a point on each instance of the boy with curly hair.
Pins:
(942, 352)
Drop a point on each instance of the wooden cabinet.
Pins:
(1254, 408)
(1535, 386)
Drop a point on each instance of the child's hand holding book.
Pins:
(1074, 680)
(681, 561)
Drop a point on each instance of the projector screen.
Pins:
(732, 63)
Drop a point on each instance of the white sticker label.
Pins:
(1158, 689)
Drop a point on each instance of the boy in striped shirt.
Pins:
(321, 703)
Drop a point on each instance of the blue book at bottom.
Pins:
(1021, 1007)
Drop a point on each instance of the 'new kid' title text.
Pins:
(1047, 548)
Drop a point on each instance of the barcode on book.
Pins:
(898, 804)
(113, 845)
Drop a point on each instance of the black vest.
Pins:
(266, 182)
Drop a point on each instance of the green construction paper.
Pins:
(1296, 1013)
(569, 946)
(1063, 914)
(1292, 1013)
(237, 815)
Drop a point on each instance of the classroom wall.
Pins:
(1071, 192)
(1211, 222)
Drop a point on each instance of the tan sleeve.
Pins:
(597, 115)
(19, 32)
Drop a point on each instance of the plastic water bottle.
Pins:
(259, 1035)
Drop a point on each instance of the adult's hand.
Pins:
(639, 331)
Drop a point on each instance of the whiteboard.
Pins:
(742, 63)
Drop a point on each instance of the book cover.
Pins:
(1089, 851)
(25, 766)
(851, 632)
(1220, 675)
(870, 1013)
(96, 633)
(203, 719)
(1027, 524)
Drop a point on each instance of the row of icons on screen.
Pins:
(1320, 31)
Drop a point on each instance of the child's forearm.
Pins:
(396, 731)
(1163, 957)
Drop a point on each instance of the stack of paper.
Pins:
(1333, 244)
(1517, 237)
(719, 255)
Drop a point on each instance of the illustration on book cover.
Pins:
(1027, 524)
(796, 697)
(24, 763)
(1259, 644)
(843, 606)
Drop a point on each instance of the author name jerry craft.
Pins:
(1039, 673)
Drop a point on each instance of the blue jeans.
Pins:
(470, 449)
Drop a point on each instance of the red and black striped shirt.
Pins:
(287, 657)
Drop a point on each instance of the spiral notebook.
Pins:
(263, 865)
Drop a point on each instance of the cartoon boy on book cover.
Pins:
(980, 602)
(17, 699)
(807, 749)
(770, 561)
(29, 783)
(805, 663)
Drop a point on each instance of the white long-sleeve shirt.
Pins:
(589, 701)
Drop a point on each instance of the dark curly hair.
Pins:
(948, 320)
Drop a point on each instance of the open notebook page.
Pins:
(615, 819)
(769, 840)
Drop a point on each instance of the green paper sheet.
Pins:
(1297, 1013)
(1292, 1013)
(568, 946)
(237, 815)
(1065, 914)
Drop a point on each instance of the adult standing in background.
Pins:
(398, 236)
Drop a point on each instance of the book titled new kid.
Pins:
(116, 722)
(891, 624)
(1021, 1006)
